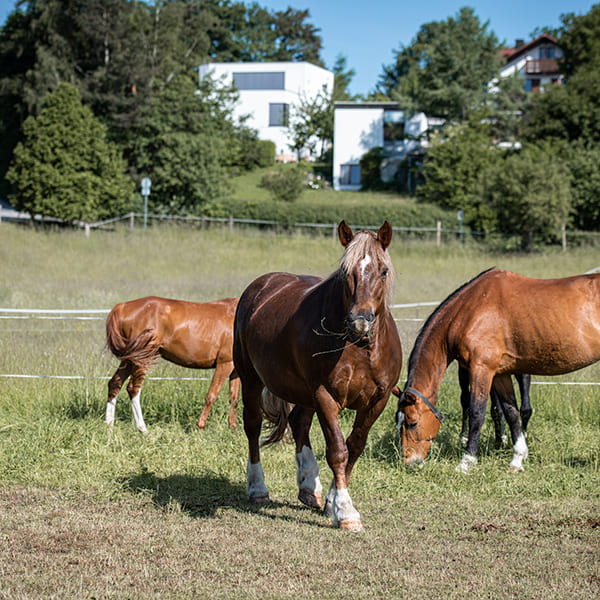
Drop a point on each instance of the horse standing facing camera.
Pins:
(321, 346)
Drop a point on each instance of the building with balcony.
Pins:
(536, 62)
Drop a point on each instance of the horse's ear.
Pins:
(345, 234)
(385, 234)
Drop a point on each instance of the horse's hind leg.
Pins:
(220, 375)
(498, 419)
(133, 389)
(234, 394)
(310, 490)
(114, 387)
(503, 384)
(524, 381)
(252, 413)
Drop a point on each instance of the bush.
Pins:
(285, 184)
(266, 153)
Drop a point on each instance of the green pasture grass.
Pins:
(88, 511)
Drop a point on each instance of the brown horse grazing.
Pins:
(524, 382)
(322, 346)
(497, 324)
(197, 335)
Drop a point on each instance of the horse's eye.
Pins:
(410, 425)
(384, 272)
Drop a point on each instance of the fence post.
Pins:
(334, 231)
(131, 221)
(231, 223)
(564, 237)
(438, 238)
(87, 230)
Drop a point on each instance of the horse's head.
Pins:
(368, 277)
(418, 423)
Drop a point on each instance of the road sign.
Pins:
(146, 183)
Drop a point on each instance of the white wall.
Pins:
(356, 130)
(302, 81)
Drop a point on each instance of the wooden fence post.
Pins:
(564, 237)
(131, 220)
(438, 238)
(87, 230)
(231, 223)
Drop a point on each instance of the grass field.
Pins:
(91, 512)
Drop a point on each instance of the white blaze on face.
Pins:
(364, 263)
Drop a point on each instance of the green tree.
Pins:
(187, 145)
(579, 40)
(446, 69)
(530, 193)
(311, 122)
(453, 165)
(342, 77)
(65, 167)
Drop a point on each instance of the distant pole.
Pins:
(439, 234)
(146, 183)
(564, 237)
(460, 216)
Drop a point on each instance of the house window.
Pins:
(547, 52)
(278, 114)
(393, 126)
(350, 175)
(259, 81)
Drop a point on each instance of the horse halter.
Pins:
(424, 398)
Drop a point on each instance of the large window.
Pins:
(259, 81)
(278, 114)
(393, 126)
(350, 175)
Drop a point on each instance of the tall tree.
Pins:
(186, 144)
(65, 167)
(446, 69)
(579, 40)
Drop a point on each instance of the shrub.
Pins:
(285, 184)
(266, 153)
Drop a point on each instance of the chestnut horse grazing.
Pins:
(197, 335)
(321, 346)
(497, 324)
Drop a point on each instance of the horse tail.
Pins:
(276, 411)
(141, 349)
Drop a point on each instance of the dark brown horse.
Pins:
(322, 346)
(197, 335)
(497, 324)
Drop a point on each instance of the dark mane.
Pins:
(433, 316)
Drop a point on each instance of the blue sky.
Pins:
(367, 32)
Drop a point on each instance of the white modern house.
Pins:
(536, 62)
(361, 126)
(268, 93)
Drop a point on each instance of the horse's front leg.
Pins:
(506, 395)
(480, 384)
(338, 502)
(310, 490)
(465, 400)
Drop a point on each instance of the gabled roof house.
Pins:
(536, 61)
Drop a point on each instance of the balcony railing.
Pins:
(541, 65)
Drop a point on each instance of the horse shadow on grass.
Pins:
(203, 496)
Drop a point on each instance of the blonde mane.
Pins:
(366, 242)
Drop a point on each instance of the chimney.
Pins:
(519, 43)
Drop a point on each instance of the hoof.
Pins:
(260, 500)
(143, 431)
(310, 499)
(350, 525)
(233, 425)
(201, 424)
(513, 469)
